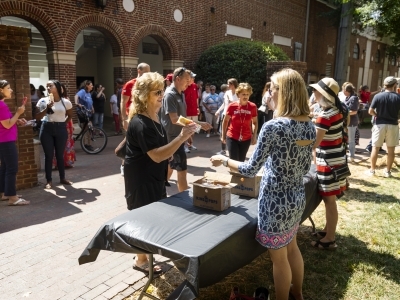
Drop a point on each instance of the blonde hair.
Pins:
(244, 86)
(292, 94)
(146, 83)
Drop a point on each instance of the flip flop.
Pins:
(6, 199)
(19, 202)
(324, 245)
(145, 268)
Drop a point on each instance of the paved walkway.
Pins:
(41, 243)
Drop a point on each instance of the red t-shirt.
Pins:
(241, 120)
(364, 96)
(191, 98)
(127, 91)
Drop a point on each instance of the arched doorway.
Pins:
(149, 51)
(94, 61)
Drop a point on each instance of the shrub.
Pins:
(244, 60)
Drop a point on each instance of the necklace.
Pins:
(160, 133)
(242, 121)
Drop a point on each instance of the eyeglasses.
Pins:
(180, 72)
(159, 92)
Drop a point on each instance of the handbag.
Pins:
(340, 172)
(120, 151)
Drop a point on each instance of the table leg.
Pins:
(151, 276)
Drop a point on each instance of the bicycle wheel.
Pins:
(93, 140)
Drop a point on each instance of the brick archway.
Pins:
(161, 35)
(37, 17)
(111, 30)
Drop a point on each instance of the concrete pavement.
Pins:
(41, 243)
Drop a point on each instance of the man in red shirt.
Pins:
(127, 93)
(192, 108)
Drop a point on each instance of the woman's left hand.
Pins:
(21, 122)
(254, 139)
(217, 160)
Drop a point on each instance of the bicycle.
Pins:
(93, 140)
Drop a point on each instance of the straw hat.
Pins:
(328, 87)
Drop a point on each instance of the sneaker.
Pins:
(387, 174)
(382, 151)
(222, 152)
(192, 148)
(370, 172)
(208, 135)
(187, 150)
(122, 170)
(368, 149)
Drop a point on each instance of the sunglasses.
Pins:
(180, 72)
(159, 92)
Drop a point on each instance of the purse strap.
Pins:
(330, 165)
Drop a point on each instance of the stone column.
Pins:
(170, 65)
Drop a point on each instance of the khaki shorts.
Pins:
(385, 133)
(194, 118)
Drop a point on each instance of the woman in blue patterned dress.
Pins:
(284, 146)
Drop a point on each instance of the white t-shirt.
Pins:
(229, 97)
(58, 108)
(114, 105)
(203, 97)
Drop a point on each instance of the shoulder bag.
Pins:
(340, 172)
(120, 151)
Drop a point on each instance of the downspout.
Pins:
(306, 31)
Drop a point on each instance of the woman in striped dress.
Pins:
(329, 152)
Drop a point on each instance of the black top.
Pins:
(98, 103)
(352, 104)
(387, 106)
(144, 178)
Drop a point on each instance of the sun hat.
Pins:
(390, 80)
(169, 77)
(328, 87)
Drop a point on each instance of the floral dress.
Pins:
(282, 195)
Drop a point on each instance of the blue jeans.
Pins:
(9, 168)
(53, 136)
(98, 120)
(351, 130)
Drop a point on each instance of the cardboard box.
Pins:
(246, 186)
(207, 195)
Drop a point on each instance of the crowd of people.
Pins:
(288, 126)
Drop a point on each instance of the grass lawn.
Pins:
(366, 264)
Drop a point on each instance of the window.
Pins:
(393, 60)
(378, 56)
(356, 51)
(328, 70)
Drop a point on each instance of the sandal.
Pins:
(324, 245)
(145, 268)
(19, 202)
(66, 182)
(319, 234)
(48, 186)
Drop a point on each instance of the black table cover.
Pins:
(204, 245)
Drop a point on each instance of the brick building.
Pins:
(72, 40)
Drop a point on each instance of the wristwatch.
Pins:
(225, 162)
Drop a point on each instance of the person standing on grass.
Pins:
(284, 148)
(8, 147)
(385, 107)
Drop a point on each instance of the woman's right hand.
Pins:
(223, 139)
(21, 110)
(188, 130)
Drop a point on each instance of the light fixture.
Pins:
(101, 3)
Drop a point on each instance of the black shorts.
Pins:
(179, 161)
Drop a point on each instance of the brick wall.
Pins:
(15, 69)
(275, 66)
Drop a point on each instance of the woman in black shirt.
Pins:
(147, 149)
(99, 98)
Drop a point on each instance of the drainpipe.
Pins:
(306, 31)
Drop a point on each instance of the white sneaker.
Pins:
(192, 148)
(122, 170)
(208, 135)
(370, 172)
(387, 174)
(187, 150)
(222, 152)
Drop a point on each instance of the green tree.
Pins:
(244, 60)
